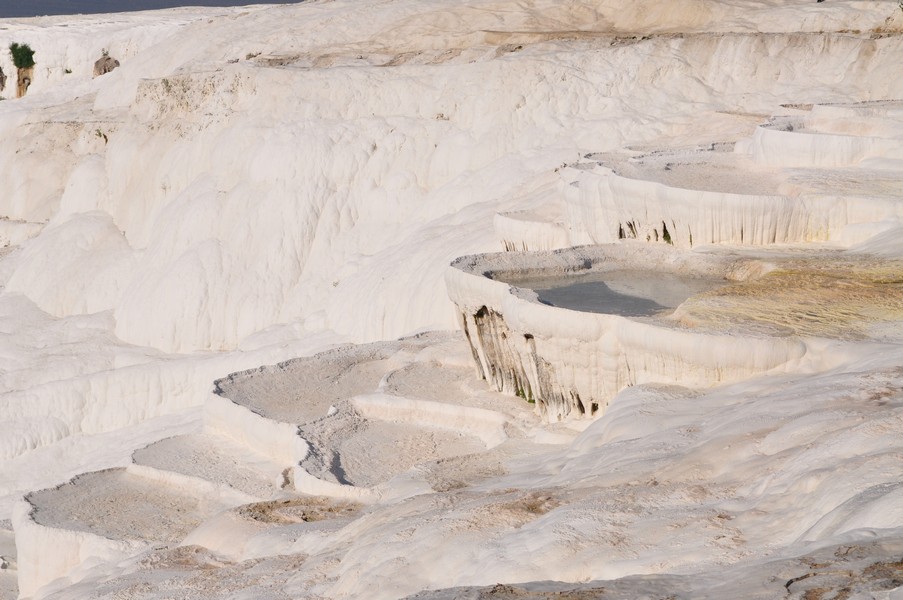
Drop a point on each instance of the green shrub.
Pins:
(23, 55)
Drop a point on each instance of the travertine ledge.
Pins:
(571, 364)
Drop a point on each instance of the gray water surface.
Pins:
(624, 293)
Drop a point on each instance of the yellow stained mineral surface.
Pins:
(845, 299)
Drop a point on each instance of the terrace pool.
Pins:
(628, 293)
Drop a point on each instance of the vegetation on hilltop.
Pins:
(23, 55)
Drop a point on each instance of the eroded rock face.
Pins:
(104, 65)
(510, 362)
(23, 82)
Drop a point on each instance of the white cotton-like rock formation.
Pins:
(232, 230)
(257, 184)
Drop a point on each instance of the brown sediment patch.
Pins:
(181, 557)
(845, 299)
(459, 472)
(196, 572)
(531, 505)
(823, 581)
(504, 510)
(307, 509)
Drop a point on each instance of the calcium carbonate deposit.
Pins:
(276, 319)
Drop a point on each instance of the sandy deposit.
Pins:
(118, 505)
(303, 390)
(216, 459)
(356, 452)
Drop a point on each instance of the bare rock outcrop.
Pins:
(104, 65)
(23, 81)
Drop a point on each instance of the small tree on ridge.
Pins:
(23, 55)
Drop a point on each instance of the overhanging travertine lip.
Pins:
(572, 363)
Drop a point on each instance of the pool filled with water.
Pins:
(626, 293)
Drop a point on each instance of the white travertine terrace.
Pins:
(46, 553)
(831, 136)
(54, 550)
(781, 146)
(610, 207)
(573, 363)
(882, 119)
(118, 514)
(604, 207)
